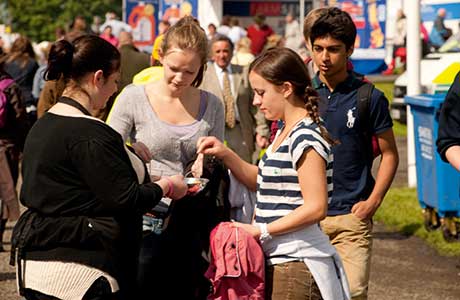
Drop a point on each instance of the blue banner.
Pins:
(173, 10)
(142, 16)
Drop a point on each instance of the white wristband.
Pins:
(264, 234)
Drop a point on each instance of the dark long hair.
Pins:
(21, 51)
(279, 65)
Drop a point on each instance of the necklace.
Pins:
(284, 132)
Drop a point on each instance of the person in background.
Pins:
(448, 141)
(132, 60)
(21, 64)
(78, 27)
(356, 195)
(243, 55)
(163, 26)
(84, 191)
(258, 34)
(13, 130)
(96, 25)
(236, 32)
(224, 28)
(399, 40)
(163, 120)
(212, 31)
(59, 33)
(439, 33)
(292, 182)
(43, 50)
(246, 126)
(292, 35)
(111, 19)
(108, 36)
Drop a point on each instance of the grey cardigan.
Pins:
(134, 118)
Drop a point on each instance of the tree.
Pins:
(38, 19)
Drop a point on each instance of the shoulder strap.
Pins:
(364, 99)
(5, 83)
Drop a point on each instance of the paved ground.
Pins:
(403, 268)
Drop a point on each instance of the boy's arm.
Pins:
(387, 169)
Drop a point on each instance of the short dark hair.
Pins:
(221, 38)
(337, 24)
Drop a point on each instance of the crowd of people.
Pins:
(276, 142)
(439, 39)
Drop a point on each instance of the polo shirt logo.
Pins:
(351, 118)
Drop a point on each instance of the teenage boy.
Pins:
(356, 195)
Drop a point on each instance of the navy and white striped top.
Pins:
(278, 189)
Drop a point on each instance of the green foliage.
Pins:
(401, 211)
(399, 129)
(38, 19)
(386, 88)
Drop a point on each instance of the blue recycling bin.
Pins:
(438, 183)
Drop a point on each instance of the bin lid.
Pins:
(425, 100)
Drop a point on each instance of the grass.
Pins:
(401, 211)
(387, 89)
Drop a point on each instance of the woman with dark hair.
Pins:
(292, 182)
(21, 64)
(85, 192)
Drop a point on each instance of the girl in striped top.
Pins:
(293, 182)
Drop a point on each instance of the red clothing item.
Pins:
(258, 37)
(237, 268)
(110, 38)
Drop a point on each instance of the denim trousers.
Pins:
(290, 281)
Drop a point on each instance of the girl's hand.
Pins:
(179, 187)
(142, 150)
(251, 229)
(212, 146)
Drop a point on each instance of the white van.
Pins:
(430, 67)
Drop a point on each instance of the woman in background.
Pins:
(21, 64)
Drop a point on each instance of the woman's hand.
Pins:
(179, 187)
(143, 151)
(251, 229)
(212, 146)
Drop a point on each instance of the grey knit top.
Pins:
(172, 146)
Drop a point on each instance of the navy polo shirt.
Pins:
(352, 178)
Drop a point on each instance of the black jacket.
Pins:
(449, 119)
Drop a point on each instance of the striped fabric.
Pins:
(278, 189)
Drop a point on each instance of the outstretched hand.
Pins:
(212, 146)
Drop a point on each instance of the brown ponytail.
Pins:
(280, 65)
(311, 105)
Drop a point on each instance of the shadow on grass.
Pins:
(389, 233)
(410, 229)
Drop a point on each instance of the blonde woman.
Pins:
(164, 120)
